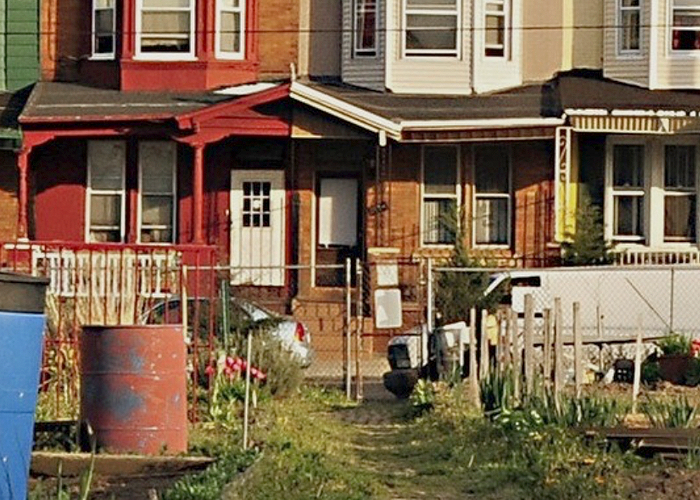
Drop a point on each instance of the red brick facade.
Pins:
(8, 196)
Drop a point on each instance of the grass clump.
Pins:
(675, 413)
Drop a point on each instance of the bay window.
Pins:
(106, 191)
(365, 28)
(230, 29)
(685, 25)
(496, 21)
(629, 25)
(431, 28)
(440, 194)
(165, 28)
(103, 29)
(492, 196)
(157, 165)
(651, 194)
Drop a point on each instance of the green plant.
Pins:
(651, 372)
(692, 375)
(497, 393)
(676, 413)
(422, 398)
(586, 245)
(675, 344)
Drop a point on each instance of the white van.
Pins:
(612, 299)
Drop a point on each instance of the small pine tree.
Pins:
(587, 245)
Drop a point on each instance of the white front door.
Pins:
(257, 227)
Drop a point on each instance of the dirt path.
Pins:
(389, 447)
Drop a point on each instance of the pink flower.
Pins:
(210, 371)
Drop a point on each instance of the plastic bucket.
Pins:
(22, 325)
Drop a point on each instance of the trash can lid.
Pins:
(22, 293)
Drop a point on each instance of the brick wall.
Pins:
(8, 196)
(65, 28)
(278, 22)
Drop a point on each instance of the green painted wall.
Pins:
(19, 51)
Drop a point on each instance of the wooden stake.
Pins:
(547, 347)
(473, 374)
(637, 366)
(517, 358)
(528, 337)
(508, 351)
(578, 350)
(558, 351)
(484, 365)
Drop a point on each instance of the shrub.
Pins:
(675, 344)
(587, 245)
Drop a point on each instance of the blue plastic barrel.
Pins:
(22, 324)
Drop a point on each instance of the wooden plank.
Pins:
(529, 348)
(558, 351)
(484, 365)
(517, 357)
(637, 366)
(578, 349)
(547, 350)
(473, 373)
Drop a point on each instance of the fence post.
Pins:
(517, 357)
(358, 334)
(637, 365)
(508, 350)
(431, 298)
(547, 347)
(473, 377)
(578, 349)
(348, 328)
(484, 343)
(529, 348)
(558, 350)
(246, 403)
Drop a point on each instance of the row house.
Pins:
(283, 132)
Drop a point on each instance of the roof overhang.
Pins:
(634, 121)
(425, 130)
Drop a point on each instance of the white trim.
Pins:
(242, 11)
(139, 54)
(103, 55)
(457, 196)
(139, 203)
(455, 53)
(89, 191)
(476, 123)
(508, 196)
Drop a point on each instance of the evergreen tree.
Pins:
(587, 246)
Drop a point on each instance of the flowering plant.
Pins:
(229, 387)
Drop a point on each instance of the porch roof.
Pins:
(62, 102)
(11, 104)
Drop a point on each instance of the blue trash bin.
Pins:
(22, 324)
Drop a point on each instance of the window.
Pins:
(629, 25)
(497, 28)
(157, 164)
(105, 197)
(679, 193)
(431, 27)
(103, 29)
(685, 25)
(628, 192)
(365, 28)
(440, 194)
(165, 29)
(256, 204)
(492, 196)
(651, 195)
(230, 25)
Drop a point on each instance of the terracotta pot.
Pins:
(673, 367)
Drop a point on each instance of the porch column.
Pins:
(198, 194)
(23, 193)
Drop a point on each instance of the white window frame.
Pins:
(620, 28)
(456, 196)
(139, 219)
(103, 55)
(611, 192)
(432, 53)
(242, 11)
(359, 7)
(655, 193)
(90, 191)
(671, 28)
(507, 32)
(166, 56)
(509, 196)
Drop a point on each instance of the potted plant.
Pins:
(676, 357)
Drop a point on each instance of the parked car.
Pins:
(292, 334)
